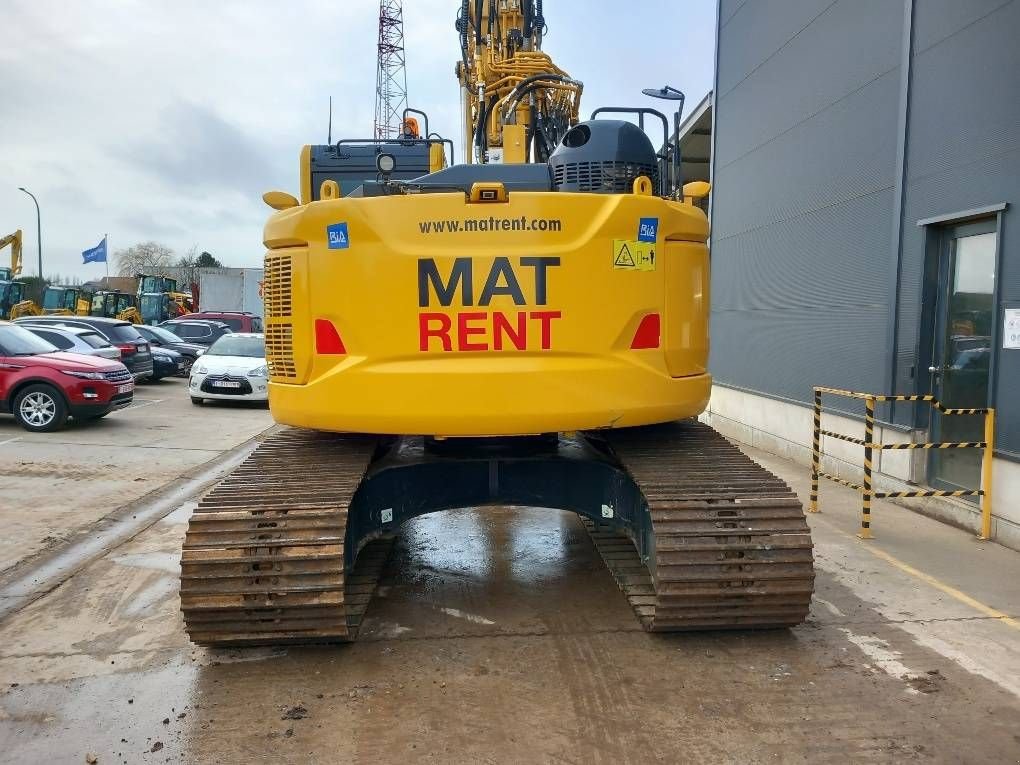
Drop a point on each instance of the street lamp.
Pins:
(38, 228)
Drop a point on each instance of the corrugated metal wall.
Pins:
(963, 152)
(808, 117)
(805, 155)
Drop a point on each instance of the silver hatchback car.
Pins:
(75, 340)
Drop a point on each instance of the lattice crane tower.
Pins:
(391, 76)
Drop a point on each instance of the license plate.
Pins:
(125, 388)
(226, 384)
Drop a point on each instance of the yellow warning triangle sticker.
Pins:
(623, 257)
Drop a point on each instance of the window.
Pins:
(229, 345)
(256, 324)
(192, 330)
(18, 341)
(56, 338)
(122, 333)
(94, 340)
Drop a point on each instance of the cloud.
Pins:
(196, 149)
(167, 121)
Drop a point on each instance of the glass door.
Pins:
(962, 350)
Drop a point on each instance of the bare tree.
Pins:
(144, 258)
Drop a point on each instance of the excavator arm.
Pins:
(130, 314)
(517, 103)
(14, 240)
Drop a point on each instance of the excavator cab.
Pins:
(116, 305)
(65, 301)
(11, 294)
(157, 307)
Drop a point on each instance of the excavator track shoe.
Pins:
(263, 559)
(731, 548)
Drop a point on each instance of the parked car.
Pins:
(234, 368)
(159, 337)
(199, 331)
(238, 321)
(134, 349)
(76, 340)
(42, 386)
(166, 363)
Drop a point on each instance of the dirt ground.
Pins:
(498, 636)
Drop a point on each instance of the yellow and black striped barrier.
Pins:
(868, 442)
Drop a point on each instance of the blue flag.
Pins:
(96, 255)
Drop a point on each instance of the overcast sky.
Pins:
(167, 119)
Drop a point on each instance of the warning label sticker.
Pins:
(633, 256)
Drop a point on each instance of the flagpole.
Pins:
(107, 260)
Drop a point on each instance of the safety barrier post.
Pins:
(816, 452)
(986, 475)
(869, 439)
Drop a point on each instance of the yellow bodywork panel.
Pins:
(428, 314)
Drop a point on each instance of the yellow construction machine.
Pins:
(527, 333)
(66, 301)
(13, 303)
(14, 241)
(114, 304)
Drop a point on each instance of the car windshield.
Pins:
(163, 334)
(18, 341)
(233, 345)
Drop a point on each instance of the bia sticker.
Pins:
(337, 235)
(648, 229)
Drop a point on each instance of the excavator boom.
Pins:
(517, 103)
(14, 240)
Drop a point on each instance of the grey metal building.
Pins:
(865, 233)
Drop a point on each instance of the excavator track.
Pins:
(263, 559)
(732, 548)
(712, 540)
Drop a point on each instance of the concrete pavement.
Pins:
(498, 636)
(55, 484)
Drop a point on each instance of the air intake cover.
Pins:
(603, 157)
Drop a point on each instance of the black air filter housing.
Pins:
(603, 157)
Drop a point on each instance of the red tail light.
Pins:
(648, 331)
(327, 339)
(126, 349)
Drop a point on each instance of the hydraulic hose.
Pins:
(526, 85)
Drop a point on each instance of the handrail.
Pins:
(868, 442)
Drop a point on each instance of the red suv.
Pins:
(238, 321)
(42, 387)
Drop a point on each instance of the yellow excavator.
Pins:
(532, 332)
(114, 304)
(66, 301)
(13, 303)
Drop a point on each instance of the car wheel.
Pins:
(197, 401)
(188, 364)
(40, 409)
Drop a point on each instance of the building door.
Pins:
(962, 350)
